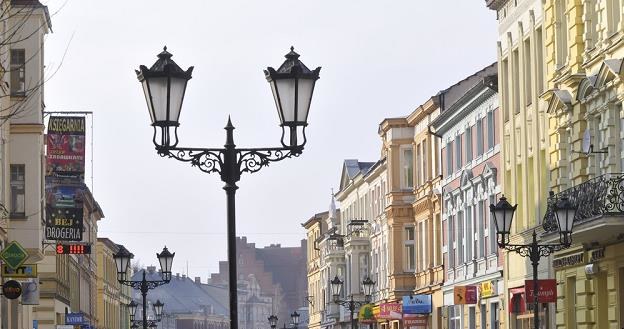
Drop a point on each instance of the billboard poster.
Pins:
(66, 146)
(64, 208)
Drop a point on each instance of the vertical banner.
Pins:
(64, 208)
(66, 146)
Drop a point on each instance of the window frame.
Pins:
(14, 186)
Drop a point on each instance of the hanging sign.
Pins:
(417, 304)
(547, 291)
(13, 255)
(24, 271)
(66, 146)
(487, 289)
(465, 295)
(12, 289)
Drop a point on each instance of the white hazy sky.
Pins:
(379, 59)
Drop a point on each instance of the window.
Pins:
(471, 317)
(515, 57)
(504, 92)
(422, 246)
(494, 317)
(591, 21)
(455, 315)
(528, 79)
(614, 10)
(490, 128)
(460, 238)
(561, 32)
(479, 137)
(480, 228)
(451, 241)
(492, 227)
(571, 299)
(419, 167)
(410, 252)
(449, 158)
(408, 168)
(483, 316)
(18, 72)
(468, 135)
(18, 193)
(458, 152)
(539, 61)
(469, 235)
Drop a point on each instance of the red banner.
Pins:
(390, 311)
(415, 321)
(546, 293)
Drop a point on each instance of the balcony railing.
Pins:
(597, 197)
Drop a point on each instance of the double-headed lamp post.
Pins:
(164, 86)
(122, 262)
(158, 308)
(336, 287)
(294, 316)
(503, 213)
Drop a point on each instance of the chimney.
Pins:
(197, 280)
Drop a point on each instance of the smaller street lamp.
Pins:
(336, 287)
(134, 326)
(153, 325)
(503, 213)
(132, 307)
(272, 321)
(295, 318)
(158, 308)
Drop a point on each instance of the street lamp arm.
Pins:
(252, 160)
(207, 160)
(143, 285)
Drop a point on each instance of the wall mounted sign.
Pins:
(546, 293)
(487, 289)
(73, 249)
(415, 321)
(14, 255)
(464, 295)
(74, 318)
(417, 304)
(569, 260)
(12, 289)
(24, 271)
(66, 145)
(390, 311)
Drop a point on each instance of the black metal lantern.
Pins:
(367, 286)
(132, 307)
(295, 318)
(166, 260)
(503, 213)
(272, 320)
(122, 262)
(292, 85)
(164, 85)
(565, 212)
(153, 325)
(336, 286)
(158, 308)
(134, 326)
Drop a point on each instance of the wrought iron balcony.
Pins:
(600, 202)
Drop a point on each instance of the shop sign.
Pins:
(14, 255)
(569, 260)
(64, 326)
(12, 289)
(488, 289)
(390, 311)
(465, 295)
(417, 304)
(24, 271)
(74, 318)
(365, 315)
(415, 321)
(547, 291)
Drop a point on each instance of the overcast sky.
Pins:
(379, 59)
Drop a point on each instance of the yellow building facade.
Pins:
(585, 51)
(109, 305)
(315, 228)
(525, 157)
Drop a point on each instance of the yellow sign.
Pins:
(24, 271)
(487, 289)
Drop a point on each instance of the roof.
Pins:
(353, 167)
(35, 4)
(183, 295)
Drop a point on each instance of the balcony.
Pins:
(358, 232)
(600, 214)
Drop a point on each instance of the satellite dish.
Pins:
(586, 146)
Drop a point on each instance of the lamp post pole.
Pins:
(503, 215)
(292, 84)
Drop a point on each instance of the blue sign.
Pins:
(417, 304)
(35, 324)
(74, 318)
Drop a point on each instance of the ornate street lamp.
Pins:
(122, 261)
(503, 213)
(164, 86)
(132, 307)
(336, 287)
(295, 318)
(272, 321)
(158, 308)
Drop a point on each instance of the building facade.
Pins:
(470, 163)
(315, 227)
(525, 155)
(112, 312)
(585, 48)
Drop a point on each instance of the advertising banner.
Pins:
(415, 321)
(465, 295)
(487, 289)
(390, 311)
(64, 208)
(547, 291)
(417, 304)
(365, 315)
(66, 146)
